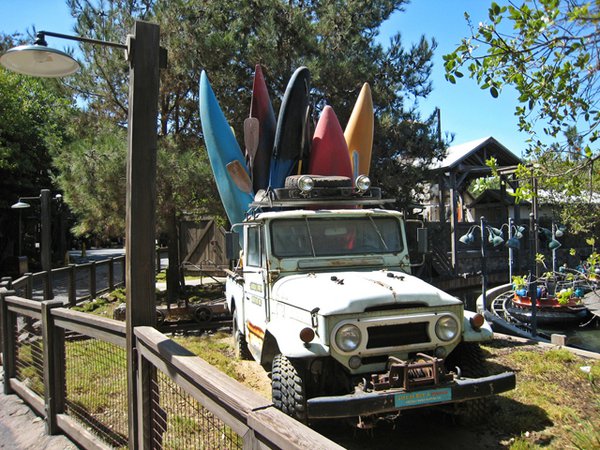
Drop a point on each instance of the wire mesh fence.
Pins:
(96, 387)
(82, 281)
(29, 353)
(180, 422)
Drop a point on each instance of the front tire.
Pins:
(468, 357)
(288, 388)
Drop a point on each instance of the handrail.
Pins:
(27, 281)
(245, 411)
(253, 418)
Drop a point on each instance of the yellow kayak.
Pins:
(359, 133)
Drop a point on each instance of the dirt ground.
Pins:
(426, 428)
(419, 430)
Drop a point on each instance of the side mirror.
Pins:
(422, 241)
(232, 245)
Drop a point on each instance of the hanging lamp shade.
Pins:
(39, 60)
(514, 243)
(20, 205)
(468, 238)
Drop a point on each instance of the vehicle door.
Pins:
(255, 289)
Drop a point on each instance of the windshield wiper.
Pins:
(310, 238)
(378, 233)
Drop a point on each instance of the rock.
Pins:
(119, 312)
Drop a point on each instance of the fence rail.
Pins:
(73, 283)
(71, 368)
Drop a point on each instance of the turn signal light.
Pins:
(307, 335)
(477, 321)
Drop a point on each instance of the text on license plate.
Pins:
(422, 397)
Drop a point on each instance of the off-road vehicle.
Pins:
(323, 299)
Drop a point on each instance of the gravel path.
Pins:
(21, 429)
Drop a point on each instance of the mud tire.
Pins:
(240, 346)
(469, 358)
(288, 388)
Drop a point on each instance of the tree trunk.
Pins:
(174, 279)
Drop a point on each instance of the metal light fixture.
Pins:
(559, 231)
(39, 60)
(495, 231)
(519, 231)
(42, 61)
(20, 205)
(495, 240)
(554, 244)
(547, 236)
(468, 237)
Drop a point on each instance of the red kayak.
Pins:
(329, 154)
(262, 109)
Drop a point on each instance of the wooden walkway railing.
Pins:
(75, 282)
(70, 367)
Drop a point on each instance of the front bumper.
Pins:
(365, 404)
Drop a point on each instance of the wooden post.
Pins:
(8, 340)
(158, 259)
(72, 285)
(29, 286)
(453, 221)
(46, 243)
(47, 285)
(111, 274)
(144, 61)
(92, 280)
(54, 366)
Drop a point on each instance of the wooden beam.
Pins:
(453, 219)
(144, 62)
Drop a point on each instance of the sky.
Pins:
(466, 110)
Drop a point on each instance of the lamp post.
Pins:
(46, 231)
(550, 236)
(145, 57)
(495, 238)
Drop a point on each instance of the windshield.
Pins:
(335, 237)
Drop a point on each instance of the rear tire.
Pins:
(468, 357)
(240, 346)
(288, 388)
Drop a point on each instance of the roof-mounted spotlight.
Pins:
(362, 183)
(306, 184)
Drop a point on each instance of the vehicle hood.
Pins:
(353, 292)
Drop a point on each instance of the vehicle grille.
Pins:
(398, 335)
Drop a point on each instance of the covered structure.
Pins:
(463, 164)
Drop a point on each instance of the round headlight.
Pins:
(306, 183)
(348, 337)
(362, 183)
(446, 328)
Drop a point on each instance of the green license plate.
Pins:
(426, 397)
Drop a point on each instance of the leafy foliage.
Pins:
(336, 40)
(547, 50)
(33, 117)
(34, 114)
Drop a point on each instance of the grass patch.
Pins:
(215, 349)
(555, 402)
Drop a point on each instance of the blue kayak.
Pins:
(222, 149)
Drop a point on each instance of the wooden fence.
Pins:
(70, 368)
(78, 282)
